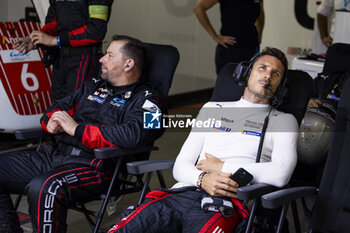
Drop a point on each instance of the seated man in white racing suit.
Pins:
(210, 156)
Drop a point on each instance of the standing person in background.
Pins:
(242, 23)
(326, 10)
(72, 37)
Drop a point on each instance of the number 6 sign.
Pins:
(24, 78)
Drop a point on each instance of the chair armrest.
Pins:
(141, 167)
(27, 134)
(253, 191)
(284, 196)
(115, 152)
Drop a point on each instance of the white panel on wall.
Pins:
(16, 9)
(282, 29)
(41, 7)
(4, 11)
(170, 22)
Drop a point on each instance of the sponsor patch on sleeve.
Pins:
(98, 12)
(150, 106)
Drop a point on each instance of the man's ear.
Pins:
(129, 64)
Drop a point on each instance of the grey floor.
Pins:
(170, 144)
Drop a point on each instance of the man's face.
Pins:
(113, 62)
(266, 70)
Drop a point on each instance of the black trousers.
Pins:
(70, 72)
(231, 54)
(52, 182)
(177, 210)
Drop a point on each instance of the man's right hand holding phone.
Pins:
(219, 184)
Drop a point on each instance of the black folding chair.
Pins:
(332, 209)
(337, 58)
(337, 62)
(162, 61)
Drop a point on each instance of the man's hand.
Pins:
(39, 37)
(322, 23)
(23, 45)
(314, 103)
(53, 127)
(219, 184)
(210, 164)
(225, 40)
(327, 41)
(67, 123)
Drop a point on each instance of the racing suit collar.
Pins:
(123, 89)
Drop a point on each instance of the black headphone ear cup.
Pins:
(281, 92)
(241, 73)
(243, 69)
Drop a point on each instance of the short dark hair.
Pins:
(134, 49)
(274, 52)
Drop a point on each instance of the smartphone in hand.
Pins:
(242, 177)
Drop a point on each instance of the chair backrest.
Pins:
(161, 64)
(337, 58)
(299, 90)
(162, 61)
(225, 87)
(332, 209)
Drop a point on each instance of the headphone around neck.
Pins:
(242, 73)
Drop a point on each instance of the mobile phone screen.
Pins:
(242, 177)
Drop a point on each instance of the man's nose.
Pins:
(102, 59)
(268, 75)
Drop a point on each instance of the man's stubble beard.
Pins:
(263, 95)
(104, 76)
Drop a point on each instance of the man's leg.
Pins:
(80, 68)
(58, 86)
(197, 220)
(177, 212)
(69, 73)
(159, 213)
(16, 171)
(52, 193)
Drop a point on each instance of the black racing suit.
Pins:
(179, 210)
(63, 172)
(81, 26)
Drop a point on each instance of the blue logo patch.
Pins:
(151, 120)
(120, 101)
(95, 98)
(332, 96)
(251, 133)
(18, 54)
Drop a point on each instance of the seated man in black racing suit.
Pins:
(327, 89)
(105, 111)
